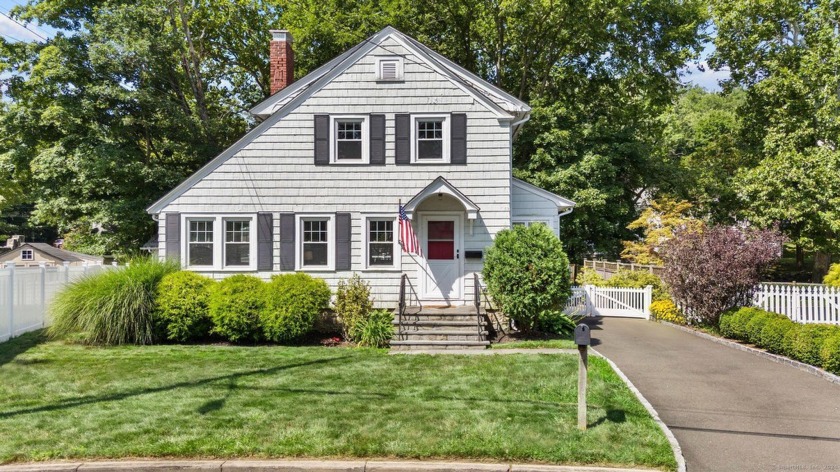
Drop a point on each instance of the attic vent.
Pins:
(389, 69)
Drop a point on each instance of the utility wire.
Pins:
(23, 26)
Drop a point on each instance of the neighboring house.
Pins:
(31, 254)
(317, 185)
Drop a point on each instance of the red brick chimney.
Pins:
(282, 60)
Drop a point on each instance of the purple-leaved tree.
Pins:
(713, 270)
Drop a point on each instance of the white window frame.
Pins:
(445, 155)
(24, 252)
(365, 119)
(219, 224)
(400, 68)
(397, 266)
(529, 221)
(299, 219)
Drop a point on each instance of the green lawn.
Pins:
(537, 344)
(68, 401)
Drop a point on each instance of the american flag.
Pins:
(408, 239)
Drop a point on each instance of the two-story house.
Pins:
(317, 185)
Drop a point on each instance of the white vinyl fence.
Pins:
(25, 294)
(803, 303)
(611, 301)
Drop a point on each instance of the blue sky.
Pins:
(707, 79)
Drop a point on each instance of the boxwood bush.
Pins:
(815, 344)
(809, 343)
(292, 302)
(773, 335)
(113, 306)
(527, 273)
(235, 306)
(830, 353)
(182, 313)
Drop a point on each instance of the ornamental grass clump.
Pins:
(376, 330)
(710, 271)
(527, 274)
(111, 307)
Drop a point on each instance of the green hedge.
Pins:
(815, 344)
(235, 307)
(292, 303)
(181, 312)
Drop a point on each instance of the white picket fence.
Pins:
(803, 303)
(611, 301)
(25, 294)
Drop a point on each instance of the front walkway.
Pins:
(730, 410)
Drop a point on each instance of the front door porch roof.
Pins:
(442, 186)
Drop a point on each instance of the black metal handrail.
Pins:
(401, 309)
(480, 291)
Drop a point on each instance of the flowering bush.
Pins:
(665, 310)
(714, 270)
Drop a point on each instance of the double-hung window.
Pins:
(349, 144)
(200, 242)
(237, 242)
(430, 139)
(220, 242)
(27, 255)
(381, 243)
(315, 242)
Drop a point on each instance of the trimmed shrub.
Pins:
(725, 323)
(736, 326)
(830, 354)
(352, 304)
(376, 329)
(789, 340)
(235, 306)
(292, 303)
(756, 324)
(832, 278)
(114, 306)
(527, 273)
(666, 310)
(809, 341)
(556, 322)
(773, 335)
(182, 313)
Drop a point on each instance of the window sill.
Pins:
(382, 269)
(221, 269)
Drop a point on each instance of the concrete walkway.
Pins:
(730, 410)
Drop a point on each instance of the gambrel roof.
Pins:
(503, 105)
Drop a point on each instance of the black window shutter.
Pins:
(173, 236)
(287, 241)
(402, 143)
(322, 140)
(458, 144)
(377, 140)
(265, 241)
(342, 241)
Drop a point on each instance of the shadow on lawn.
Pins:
(12, 348)
(208, 407)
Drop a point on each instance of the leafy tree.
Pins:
(658, 222)
(786, 55)
(703, 143)
(708, 272)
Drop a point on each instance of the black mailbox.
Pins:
(472, 254)
(582, 335)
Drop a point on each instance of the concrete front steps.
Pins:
(439, 328)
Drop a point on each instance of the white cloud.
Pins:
(707, 78)
(9, 28)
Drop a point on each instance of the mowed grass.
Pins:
(537, 344)
(62, 401)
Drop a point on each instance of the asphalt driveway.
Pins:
(730, 410)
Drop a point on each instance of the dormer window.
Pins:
(389, 69)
